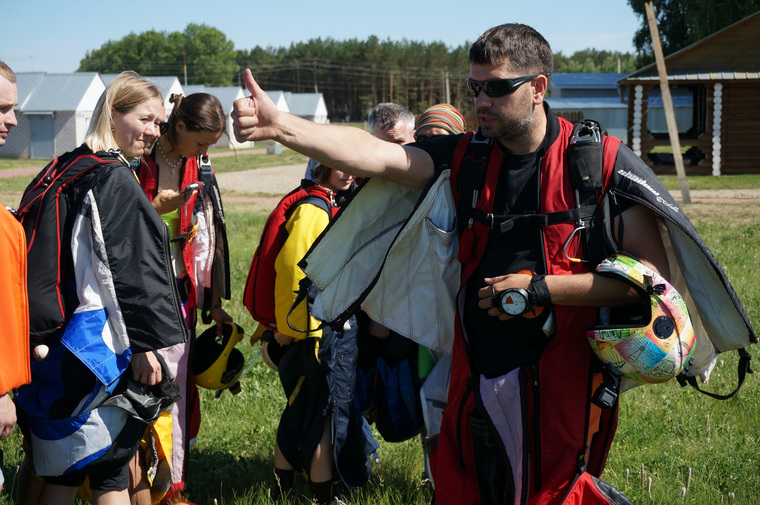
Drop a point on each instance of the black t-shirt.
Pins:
(497, 346)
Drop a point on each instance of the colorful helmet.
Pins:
(216, 363)
(653, 347)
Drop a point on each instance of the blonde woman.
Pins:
(82, 414)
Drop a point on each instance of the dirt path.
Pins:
(278, 180)
(281, 179)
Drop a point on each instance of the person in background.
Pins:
(304, 440)
(14, 310)
(437, 120)
(392, 122)
(171, 177)
(114, 256)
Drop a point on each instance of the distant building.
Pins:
(719, 76)
(280, 100)
(54, 112)
(590, 96)
(309, 106)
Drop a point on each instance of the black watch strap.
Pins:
(540, 291)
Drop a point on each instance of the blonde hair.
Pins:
(7, 73)
(126, 91)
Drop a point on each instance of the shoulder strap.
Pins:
(316, 195)
(586, 157)
(474, 190)
(585, 153)
(743, 370)
(315, 198)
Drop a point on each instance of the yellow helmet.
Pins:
(216, 363)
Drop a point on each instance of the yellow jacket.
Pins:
(304, 226)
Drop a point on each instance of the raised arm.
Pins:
(344, 148)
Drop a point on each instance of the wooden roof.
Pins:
(731, 53)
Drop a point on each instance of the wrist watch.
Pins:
(514, 301)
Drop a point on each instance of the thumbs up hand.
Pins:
(254, 116)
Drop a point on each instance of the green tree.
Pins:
(204, 51)
(593, 60)
(681, 23)
(209, 55)
(354, 75)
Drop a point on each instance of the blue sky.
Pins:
(53, 36)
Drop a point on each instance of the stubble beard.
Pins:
(516, 128)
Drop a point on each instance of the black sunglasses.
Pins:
(163, 127)
(498, 87)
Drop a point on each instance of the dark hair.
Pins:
(321, 174)
(521, 48)
(198, 112)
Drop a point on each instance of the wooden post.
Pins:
(667, 101)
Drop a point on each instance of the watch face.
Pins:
(513, 301)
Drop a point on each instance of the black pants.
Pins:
(494, 472)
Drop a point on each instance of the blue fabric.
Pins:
(398, 416)
(364, 393)
(84, 337)
(56, 429)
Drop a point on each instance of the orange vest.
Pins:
(14, 305)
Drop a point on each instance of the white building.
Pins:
(309, 106)
(54, 112)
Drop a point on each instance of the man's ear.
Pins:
(540, 87)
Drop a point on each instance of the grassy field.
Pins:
(669, 438)
(242, 160)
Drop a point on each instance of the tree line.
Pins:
(354, 75)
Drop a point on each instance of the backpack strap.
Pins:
(474, 189)
(585, 159)
(210, 189)
(316, 196)
(743, 370)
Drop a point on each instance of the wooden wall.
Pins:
(739, 136)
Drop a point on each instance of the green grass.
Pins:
(711, 182)
(14, 163)
(244, 160)
(247, 161)
(664, 429)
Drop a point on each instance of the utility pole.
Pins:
(316, 89)
(184, 64)
(667, 101)
(390, 86)
(447, 94)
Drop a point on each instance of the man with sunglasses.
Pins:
(520, 423)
